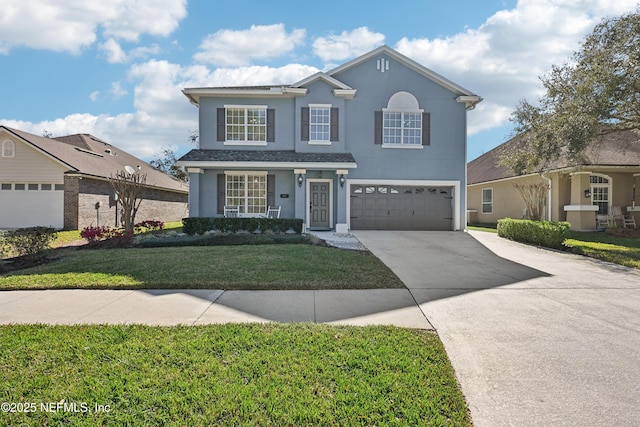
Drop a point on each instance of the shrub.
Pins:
(551, 234)
(193, 226)
(148, 225)
(30, 241)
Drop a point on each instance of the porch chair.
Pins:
(273, 212)
(628, 221)
(616, 215)
(231, 211)
(603, 221)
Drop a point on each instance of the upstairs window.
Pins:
(250, 125)
(403, 124)
(319, 124)
(8, 149)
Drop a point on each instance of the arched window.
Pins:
(601, 192)
(402, 123)
(8, 149)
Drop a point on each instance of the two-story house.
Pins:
(376, 143)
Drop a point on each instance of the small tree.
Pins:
(128, 189)
(166, 162)
(533, 195)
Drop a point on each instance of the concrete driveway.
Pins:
(537, 337)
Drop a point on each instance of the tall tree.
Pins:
(166, 162)
(595, 93)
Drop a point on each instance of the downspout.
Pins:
(548, 195)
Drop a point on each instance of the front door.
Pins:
(320, 204)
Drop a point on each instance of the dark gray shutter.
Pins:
(221, 126)
(271, 190)
(426, 128)
(334, 125)
(221, 193)
(304, 120)
(271, 125)
(378, 127)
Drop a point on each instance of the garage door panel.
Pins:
(401, 208)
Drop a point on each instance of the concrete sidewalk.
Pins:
(198, 307)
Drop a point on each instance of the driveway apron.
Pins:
(537, 337)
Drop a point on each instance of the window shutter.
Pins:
(378, 128)
(221, 193)
(426, 128)
(334, 125)
(271, 190)
(304, 120)
(221, 137)
(271, 125)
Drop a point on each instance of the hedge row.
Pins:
(551, 234)
(193, 226)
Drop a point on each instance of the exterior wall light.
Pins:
(342, 180)
(587, 193)
(300, 180)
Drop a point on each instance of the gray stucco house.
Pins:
(376, 143)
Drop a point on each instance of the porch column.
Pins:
(195, 178)
(581, 212)
(341, 197)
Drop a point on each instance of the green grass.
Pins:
(491, 228)
(618, 250)
(240, 375)
(284, 266)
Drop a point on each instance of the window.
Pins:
(32, 187)
(248, 191)
(59, 187)
(246, 124)
(5, 186)
(19, 187)
(487, 200)
(8, 149)
(402, 123)
(45, 187)
(600, 190)
(319, 123)
(402, 128)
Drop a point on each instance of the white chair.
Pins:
(603, 221)
(273, 212)
(231, 211)
(616, 215)
(628, 221)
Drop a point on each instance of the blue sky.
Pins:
(115, 68)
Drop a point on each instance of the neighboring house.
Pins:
(64, 183)
(578, 191)
(376, 143)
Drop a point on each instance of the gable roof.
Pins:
(340, 89)
(617, 149)
(415, 66)
(87, 155)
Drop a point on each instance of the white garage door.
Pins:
(396, 207)
(29, 205)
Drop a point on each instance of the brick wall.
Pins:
(95, 205)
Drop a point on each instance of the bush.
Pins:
(30, 241)
(551, 234)
(193, 226)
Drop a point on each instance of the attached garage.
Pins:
(401, 207)
(26, 205)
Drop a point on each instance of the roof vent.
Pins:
(109, 151)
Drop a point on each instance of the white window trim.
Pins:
(320, 141)
(245, 174)
(483, 203)
(609, 186)
(8, 142)
(245, 142)
(402, 145)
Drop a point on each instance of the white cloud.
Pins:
(71, 25)
(503, 58)
(93, 96)
(117, 91)
(115, 54)
(231, 48)
(347, 44)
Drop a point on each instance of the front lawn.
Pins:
(618, 250)
(284, 266)
(253, 375)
